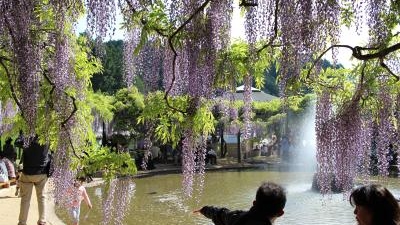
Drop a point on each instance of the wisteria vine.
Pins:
(182, 45)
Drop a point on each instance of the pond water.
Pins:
(158, 200)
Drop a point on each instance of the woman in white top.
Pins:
(3, 172)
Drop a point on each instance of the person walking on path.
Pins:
(268, 205)
(35, 161)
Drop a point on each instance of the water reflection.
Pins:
(158, 200)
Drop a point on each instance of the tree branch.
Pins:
(53, 86)
(5, 58)
(362, 73)
(9, 29)
(63, 123)
(276, 11)
(161, 33)
(357, 53)
(244, 3)
(380, 54)
(351, 105)
(13, 94)
(72, 113)
(171, 45)
(383, 64)
(144, 22)
(322, 54)
(72, 145)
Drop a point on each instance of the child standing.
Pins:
(79, 194)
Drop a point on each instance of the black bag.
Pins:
(50, 166)
(19, 142)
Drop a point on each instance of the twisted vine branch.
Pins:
(72, 145)
(383, 64)
(144, 22)
(13, 93)
(350, 106)
(357, 53)
(276, 11)
(171, 45)
(245, 3)
(64, 122)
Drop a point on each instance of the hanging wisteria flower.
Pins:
(39, 68)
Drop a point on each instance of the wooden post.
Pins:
(238, 148)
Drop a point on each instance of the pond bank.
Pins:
(171, 168)
(10, 204)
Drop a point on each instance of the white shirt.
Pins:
(3, 172)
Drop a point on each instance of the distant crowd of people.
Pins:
(166, 153)
(286, 147)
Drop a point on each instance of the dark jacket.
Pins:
(223, 216)
(9, 152)
(35, 159)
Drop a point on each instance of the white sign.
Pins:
(230, 138)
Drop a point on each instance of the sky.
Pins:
(348, 36)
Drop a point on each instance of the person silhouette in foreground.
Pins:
(9, 150)
(268, 205)
(375, 205)
(34, 173)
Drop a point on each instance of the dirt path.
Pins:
(9, 209)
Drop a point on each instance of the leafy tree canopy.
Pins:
(111, 78)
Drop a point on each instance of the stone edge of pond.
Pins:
(177, 169)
